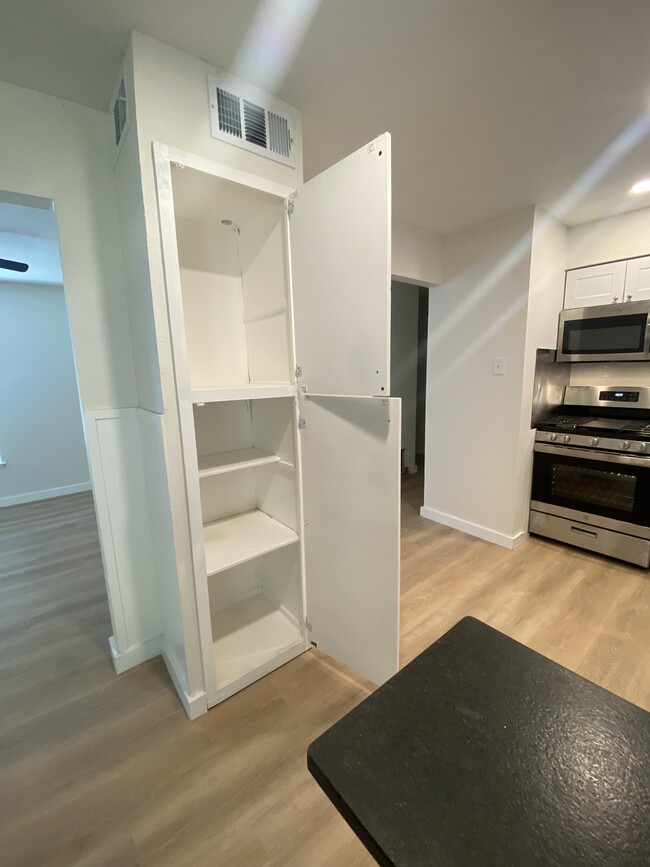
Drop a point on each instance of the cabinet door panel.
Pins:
(598, 284)
(351, 487)
(340, 259)
(637, 279)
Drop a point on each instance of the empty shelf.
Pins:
(235, 540)
(244, 391)
(248, 634)
(226, 462)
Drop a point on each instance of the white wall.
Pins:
(416, 255)
(404, 360)
(620, 237)
(61, 151)
(58, 150)
(473, 417)
(545, 301)
(41, 431)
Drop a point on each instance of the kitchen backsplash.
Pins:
(611, 372)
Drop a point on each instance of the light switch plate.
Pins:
(498, 366)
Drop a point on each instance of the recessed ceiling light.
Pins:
(642, 186)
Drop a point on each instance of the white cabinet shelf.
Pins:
(245, 391)
(236, 540)
(249, 634)
(227, 462)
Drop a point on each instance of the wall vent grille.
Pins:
(119, 113)
(279, 134)
(251, 119)
(229, 108)
(255, 123)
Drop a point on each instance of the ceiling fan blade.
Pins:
(10, 265)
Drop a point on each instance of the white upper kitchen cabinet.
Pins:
(597, 284)
(279, 312)
(637, 279)
(608, 283)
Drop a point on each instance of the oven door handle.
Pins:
(591, 455)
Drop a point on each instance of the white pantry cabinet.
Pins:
(279, 312)
(608, 283)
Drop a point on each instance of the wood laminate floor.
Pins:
(100, 770)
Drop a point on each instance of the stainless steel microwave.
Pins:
(610, 332)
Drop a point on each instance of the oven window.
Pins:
(604, 334)
(611, 490)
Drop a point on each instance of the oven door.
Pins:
(584, 485)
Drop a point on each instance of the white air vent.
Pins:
(249, 118)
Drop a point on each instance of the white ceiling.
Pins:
(29, 235)
(494, 105)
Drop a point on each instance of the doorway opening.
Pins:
(51, 575)
(409, 334)
(42, 443)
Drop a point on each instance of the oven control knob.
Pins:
(553, 437)
(594, 441)
(625, 445)
(567, 438)
(643, 447)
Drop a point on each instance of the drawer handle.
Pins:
(585, 532)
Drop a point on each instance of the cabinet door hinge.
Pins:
(308, 625)
(290, 207)
(298, 372)
(302, 423)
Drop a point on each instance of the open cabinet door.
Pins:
(340, 237)
(351, 491)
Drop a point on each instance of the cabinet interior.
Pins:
(255, 612)
(246, 451)
(232, 251)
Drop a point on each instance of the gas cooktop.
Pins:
(633, 429)
(611, 420)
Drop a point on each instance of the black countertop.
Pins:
(482, 752)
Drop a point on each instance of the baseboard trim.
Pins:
(49, 494)
(134, 655)
(519, 538)
(473, 529)
(194, 705)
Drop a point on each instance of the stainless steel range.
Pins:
(591, 472)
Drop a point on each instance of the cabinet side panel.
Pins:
(276, 493)
(269, 349)
(280, 581)
(263, 262)
(273, 427)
